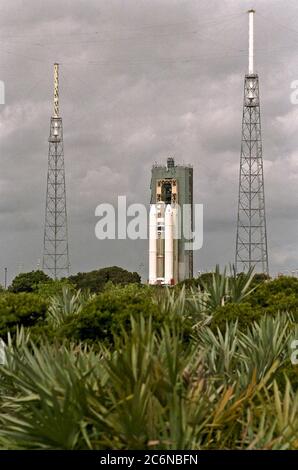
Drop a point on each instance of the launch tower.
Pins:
(251, 240)
(171, 189)
(55, 253)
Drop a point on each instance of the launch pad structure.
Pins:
(171, 190)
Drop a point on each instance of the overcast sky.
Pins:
(141, 80)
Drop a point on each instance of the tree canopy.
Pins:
(96, 280)
(28, 282)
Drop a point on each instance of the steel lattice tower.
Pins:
(251, 241)
(55, 253)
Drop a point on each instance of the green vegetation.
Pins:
(28, 282)
(53, 287)
(20, 309)
(205, 365)
(109, 312)
(95, 281)
(269, 297)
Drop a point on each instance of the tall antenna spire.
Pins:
(56, 90)
(251, 239)
(55, 253)
(251, 41)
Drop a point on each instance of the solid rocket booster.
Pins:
(169, 245)
(160, 249)
(176, 236)
(152, 244)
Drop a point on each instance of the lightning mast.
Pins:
(251, 240)
(55, 253)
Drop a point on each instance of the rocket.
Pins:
(162, 221)
(169, 245)
(152, 244)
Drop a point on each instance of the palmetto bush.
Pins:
(66, 304)
(151, 390)
(220, 288)
(237, 356)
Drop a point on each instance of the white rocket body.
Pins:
(152, 244)
(163, 221)
(169, 245)
(160, 210)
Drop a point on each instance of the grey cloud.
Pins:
(141, 80)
